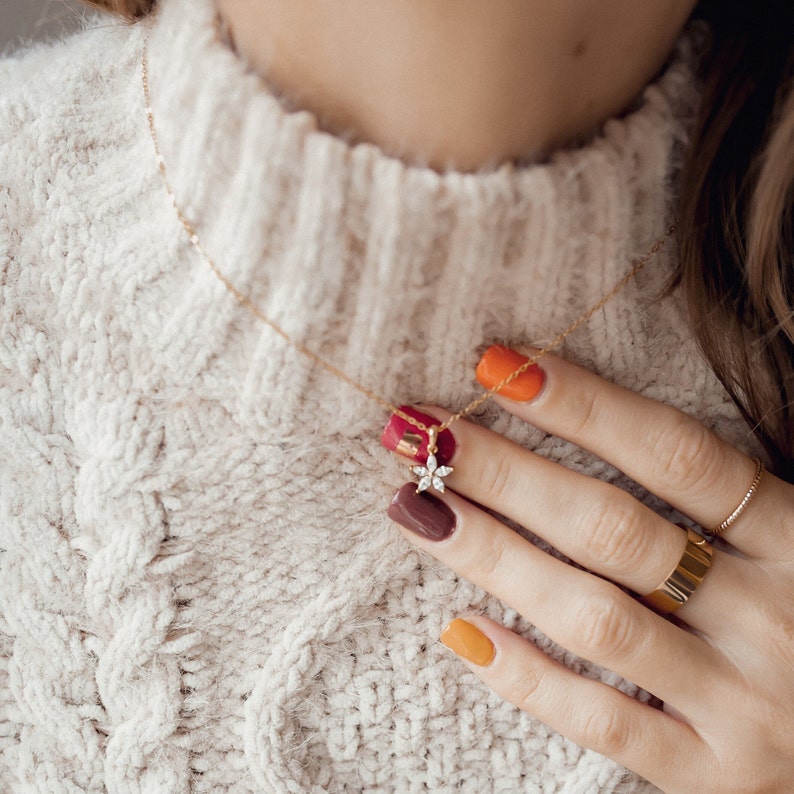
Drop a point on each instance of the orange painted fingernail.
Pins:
(468, 642)
(498, 363)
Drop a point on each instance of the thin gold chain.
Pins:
(244, 301)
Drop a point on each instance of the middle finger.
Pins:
(592, 522)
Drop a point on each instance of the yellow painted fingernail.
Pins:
(468, 642)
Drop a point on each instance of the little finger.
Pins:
(588, 712)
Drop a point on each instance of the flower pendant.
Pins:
(431, 474)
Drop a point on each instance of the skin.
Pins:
(522, 77)
(722, 668)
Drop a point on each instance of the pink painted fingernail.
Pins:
(402, 437)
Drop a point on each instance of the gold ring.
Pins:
(759, 470)
(685, 577)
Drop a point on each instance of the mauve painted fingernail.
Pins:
(402, 437)
(422, 513)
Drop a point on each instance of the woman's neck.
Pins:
(458, 83)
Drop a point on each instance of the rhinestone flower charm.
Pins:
(431, 474)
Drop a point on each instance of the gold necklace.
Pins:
(430, 474)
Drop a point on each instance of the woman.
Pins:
(201, 588)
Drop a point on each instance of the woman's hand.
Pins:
(723, 669)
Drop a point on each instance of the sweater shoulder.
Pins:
(48, 78)
(61, 104)
(68, 110)
(70, 114)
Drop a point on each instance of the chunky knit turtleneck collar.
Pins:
(341, 243)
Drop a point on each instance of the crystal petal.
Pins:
(424, 484)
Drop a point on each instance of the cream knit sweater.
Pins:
(200, 590)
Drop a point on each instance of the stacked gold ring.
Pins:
(759, 470)
(685, 577)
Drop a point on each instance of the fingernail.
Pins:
(499, 362)
(422, 513)
(402, 437)
(468, 642)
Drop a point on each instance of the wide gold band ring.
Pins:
(739, 509)
(685, 577)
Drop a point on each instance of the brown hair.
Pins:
(736, 239)
(736, 215)
(128, 9)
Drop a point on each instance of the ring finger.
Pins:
(585, 614)
(594, 523)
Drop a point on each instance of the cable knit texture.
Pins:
(200, 589)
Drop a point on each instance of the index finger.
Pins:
(663, 449)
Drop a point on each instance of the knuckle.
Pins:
(784, 629)
(767, 710)
(525, 690)
(612, 526)
(605, 626)
(497, 476)
(584, 413)
(491, 561)
(606, 729)
(774, 622)
(684, 447)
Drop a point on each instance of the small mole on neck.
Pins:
(580, 48)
